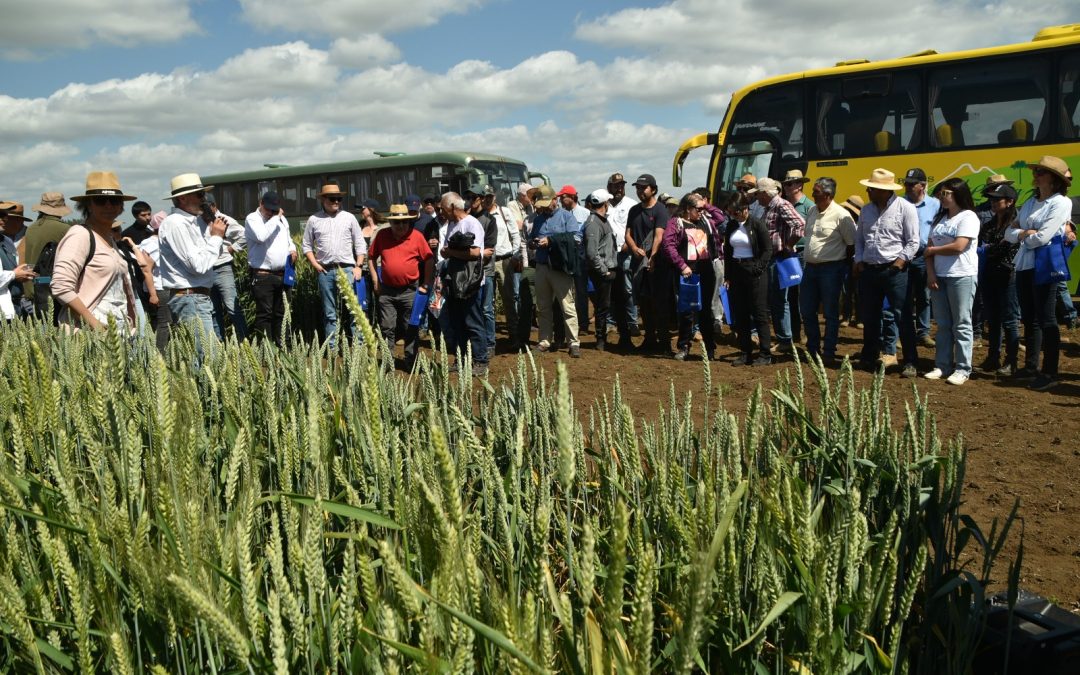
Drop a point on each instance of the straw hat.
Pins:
(795, 176)
(997, 179)
(16, 211)
(882, 179)
(1054, 165)
(103, 184)
(854, 205)
(53, 204)
(545, 197)
(185, 184)
(331, 190)
(399, 212)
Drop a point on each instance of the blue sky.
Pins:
(153, 88)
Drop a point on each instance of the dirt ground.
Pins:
(1020, 444)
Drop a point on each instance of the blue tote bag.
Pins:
(726, 303)
(419, 306)
(689, 293)
(789, 272)
(288, 279)
(1052, 262)
(362, 293)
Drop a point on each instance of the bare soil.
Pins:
(1020, 444)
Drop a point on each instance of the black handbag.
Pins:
(461, 279)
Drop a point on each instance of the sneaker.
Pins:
(830, 361)
(544, 346)
(909, 371)
(1043, 383)
(958, 377)
(927, 341)
(934, 374)
(1025, 373)
(763, 361)
(988, 366)
(785, 348)
(1004, 371)
(742, 360)
(868, 366)
(480, 370)
(575, 351)
(647, 347)
(889, 360)
(681, 355)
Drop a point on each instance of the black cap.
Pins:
(646, 179)
(915, 176)
(431, 199)
(1001, 190)
(271, 201)
(370, 203)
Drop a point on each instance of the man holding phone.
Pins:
(189, 250)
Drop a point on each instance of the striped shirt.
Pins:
(784, 223)
(334, 239)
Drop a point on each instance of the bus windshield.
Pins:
(504, 177)
(773, 114)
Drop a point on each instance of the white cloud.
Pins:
(363, 51)
(32, 27)
(350, 17)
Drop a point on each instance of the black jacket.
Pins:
(760, 243)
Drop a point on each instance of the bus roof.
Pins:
(1047, 38)
(381, 162)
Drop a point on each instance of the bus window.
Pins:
(867, 115)
(227, 200)
(989, 103)
(1070, 97)
(306, 201)
(775, 113)
(288, 196)
(743, 158)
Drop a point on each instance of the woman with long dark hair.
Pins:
(747, 250)
(997, 281)
(952, 273)
(1041, 218)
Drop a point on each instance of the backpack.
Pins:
(44, 269)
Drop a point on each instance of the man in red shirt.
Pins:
(401, 250)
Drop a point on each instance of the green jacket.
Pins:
(43, 230)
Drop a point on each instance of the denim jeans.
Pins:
(821, 285)
(463, 323)
(952, 302)
(225, 299)
(581, 297)
(488, 291)
(623, 309)
(919, 294)
(199, 311)
(1041, 331)
(1002, 311)
(331, 302)
(876, 283)
(1068, 313)
(779, 307)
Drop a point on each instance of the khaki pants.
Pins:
(551, 286)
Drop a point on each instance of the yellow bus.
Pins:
(970, 114)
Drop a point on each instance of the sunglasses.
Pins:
(1039, 172)
(112, 201)
(333, 199)
(945, 193)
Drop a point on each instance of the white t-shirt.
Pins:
(617, 217)
(965, 264)
(740, 243)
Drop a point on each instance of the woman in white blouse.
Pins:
(952, 277)
(1041, 219)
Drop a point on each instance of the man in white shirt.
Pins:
(332, 241)
(266, 232)
(623, 310)
(189, 249)
(508, 252)
(223, 293)
(462, 318)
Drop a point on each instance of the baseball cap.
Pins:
(598, 197)
(413, 203)
(615, 179)
(271, 201)
(479, 190)
(1001, 190)
(914, 176)
(545, 195)
(567, 190)
(646, 179)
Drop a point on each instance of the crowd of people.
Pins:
(768, 260)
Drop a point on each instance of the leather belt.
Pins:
(262, 273)
(820, 264)
(197, 290)
(502, 257)
(337, 265)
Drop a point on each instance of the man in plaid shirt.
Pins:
(785, 229)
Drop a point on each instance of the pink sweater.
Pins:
(96, 278)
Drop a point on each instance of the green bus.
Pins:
(387, 179)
